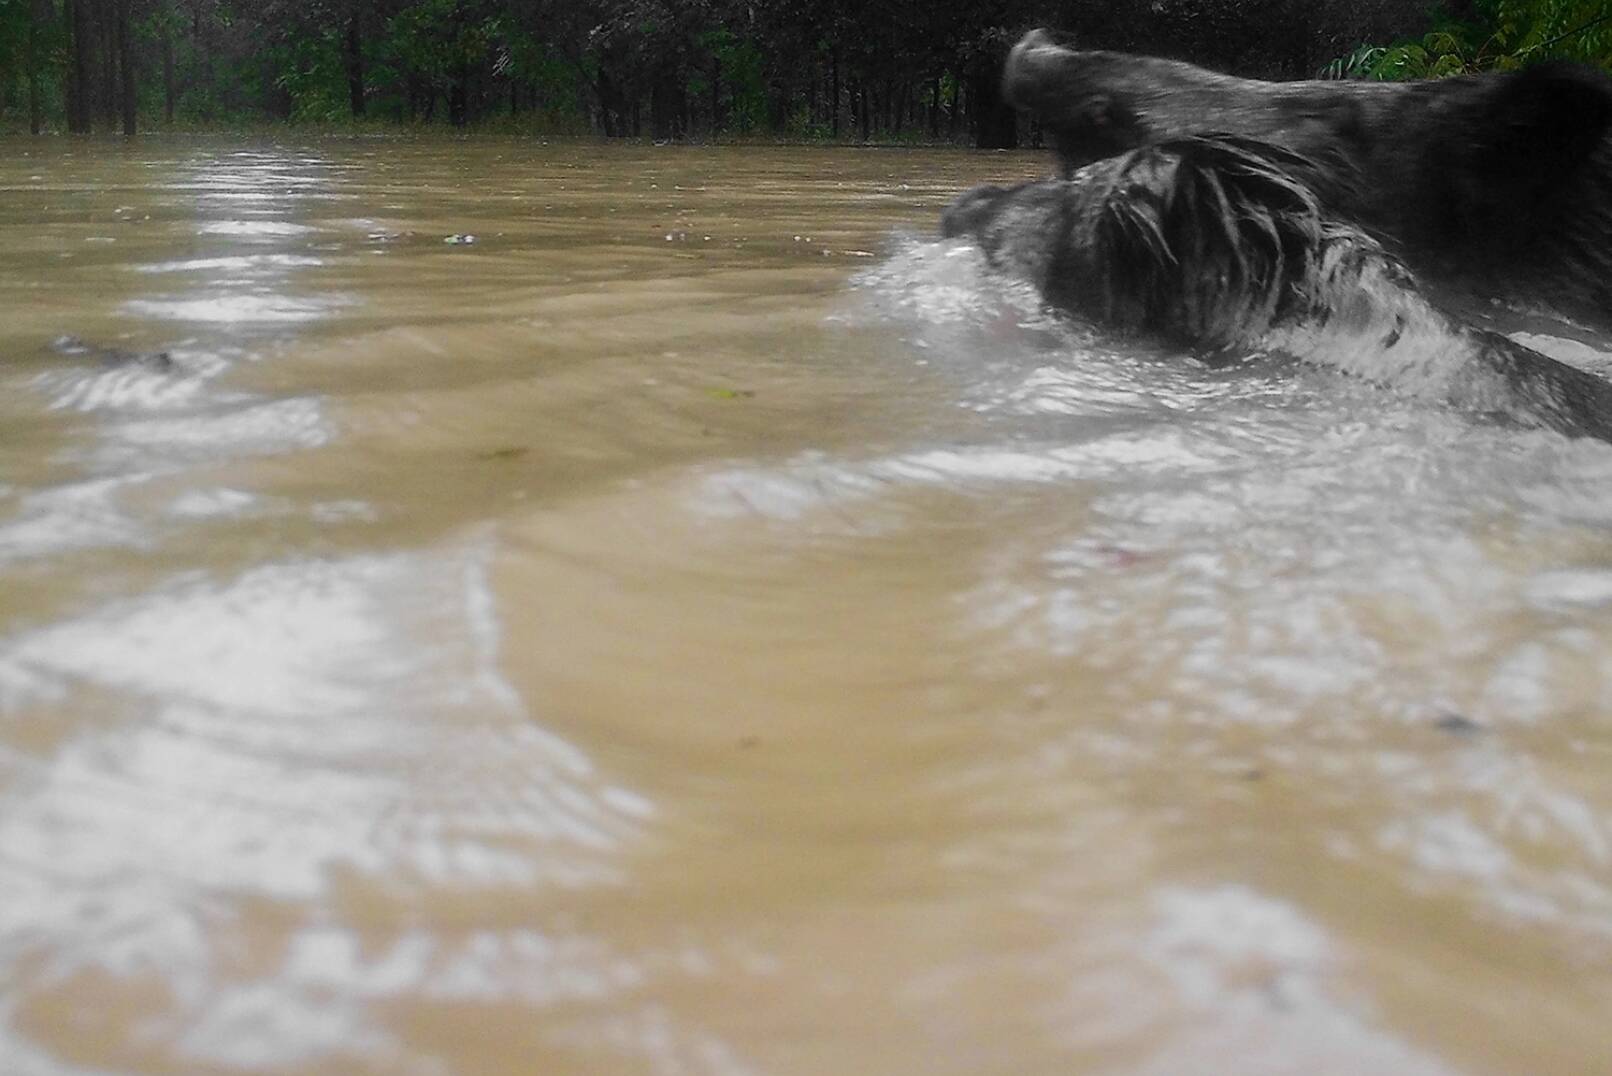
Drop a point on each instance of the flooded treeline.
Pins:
(888, 69)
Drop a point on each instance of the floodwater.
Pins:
(700, 626)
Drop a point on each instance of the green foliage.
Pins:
(741, 74)
(14, 23)
(31, 50)
(438, 39)
(1507, 35)
(808, 69)
(310, 72)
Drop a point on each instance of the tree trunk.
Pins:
(84, 48)
(169, 92)
(957, 106)
(716, 95)
(35, 110)
(126, 67)
(996, 123)
(608, 109)
(459, 98)
(834, 91)
(72, 79)
(663, 105)
(39, 14)
(355, 61)
(777, 98)
(276, 100)
(201, 50)
(106, 35)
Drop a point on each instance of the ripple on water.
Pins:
(1275, 559)
(1265, 985)
(131, 386)
(233, 427)
(255, 229)
(187, 428)
(234, 307)
(322, 665)
(261, 738)
(76, 515)
(250, 264)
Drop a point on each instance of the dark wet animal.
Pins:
(1226, 244)
(1499, 182)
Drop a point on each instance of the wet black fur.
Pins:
(1500, 183)
(1203, 241)
(1210, 242)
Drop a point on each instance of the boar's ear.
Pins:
(1037, 68)
(1103, 127)
(1542, 124)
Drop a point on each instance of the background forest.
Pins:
(830, 69)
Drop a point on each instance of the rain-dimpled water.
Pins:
(495, 607)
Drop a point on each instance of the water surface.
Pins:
(568, 608)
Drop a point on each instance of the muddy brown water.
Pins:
(700, 626)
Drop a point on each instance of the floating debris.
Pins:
(1457, 724)
(160, 361)
(511, 452)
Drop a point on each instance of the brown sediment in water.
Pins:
(632, 641)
